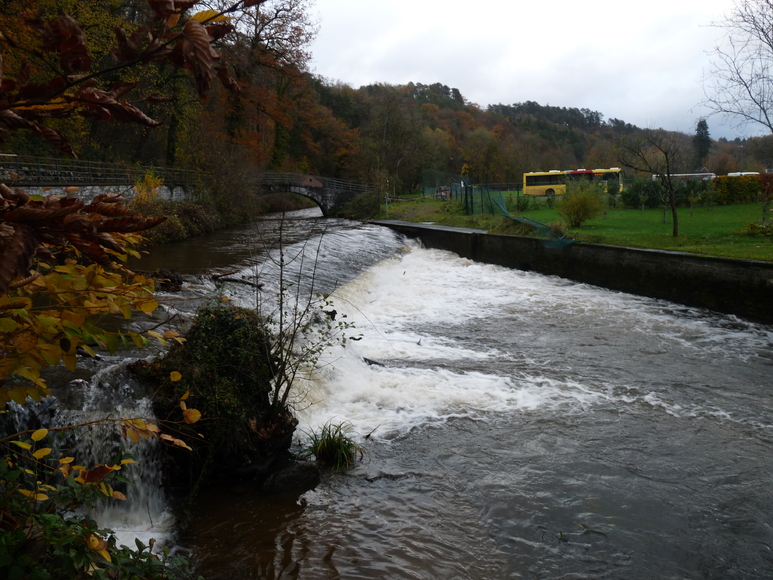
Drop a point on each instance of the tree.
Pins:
(701, 142)
(740, 81)
(657, 153)
(57, 77)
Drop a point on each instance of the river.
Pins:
(515, 426)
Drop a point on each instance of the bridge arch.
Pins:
(331, 195)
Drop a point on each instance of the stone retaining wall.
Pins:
(740, 287)
(89, 192)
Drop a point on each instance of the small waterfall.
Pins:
(144, 514)
(110, 393)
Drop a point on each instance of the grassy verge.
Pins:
(714, 232)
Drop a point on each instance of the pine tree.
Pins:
(701, 142)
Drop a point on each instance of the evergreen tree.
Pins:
(701, 142)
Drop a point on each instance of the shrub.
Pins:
(759, 229)
(582, 201)
(641, 193)
(740, 189)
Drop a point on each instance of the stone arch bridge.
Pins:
(333, 196)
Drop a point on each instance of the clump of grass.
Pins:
(332, 447)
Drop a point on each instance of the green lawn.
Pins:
(708, 231)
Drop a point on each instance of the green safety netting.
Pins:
(543, 232)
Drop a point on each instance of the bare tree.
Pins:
(658, 153)
(740, 81)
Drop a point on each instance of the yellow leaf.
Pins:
(105, 554)
(126, 461)
(39, 434)
(183, 406)
(210, 16)
(41, 497)
(18, 395)
(133, 435)
(154, 334)
(40, 453)
(24, 341)
(174, 376)
(119, 495)
(22, 444)
(185, 396)
(70, 361)
(64, 460)
(171, 334)
(191, 415)
(25, 492)
(148, 306)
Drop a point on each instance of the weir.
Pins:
(740, 287)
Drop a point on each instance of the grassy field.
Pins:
(714, 232)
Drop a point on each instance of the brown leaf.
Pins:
(17, 252)
(226, 79)
(120, 89)
(89, 248)
(97, 100)
(13, 121)
(198, 55)
(162, 8)
(218, 31)
(16, 195)
(40, 93)
(130, 224)
(63, 35)
(97, 474)
(127, 49)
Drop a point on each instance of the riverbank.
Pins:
(187, 219)
(740, 287)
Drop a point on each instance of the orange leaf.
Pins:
(191, 415)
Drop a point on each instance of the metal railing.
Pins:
(50, 171)
(306, 180)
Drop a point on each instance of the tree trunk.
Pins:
(674, 215)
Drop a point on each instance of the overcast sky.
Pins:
(641, 62)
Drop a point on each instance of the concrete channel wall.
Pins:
(740, 287)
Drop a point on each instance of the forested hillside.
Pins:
(284, 118)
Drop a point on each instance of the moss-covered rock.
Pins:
(225, 371)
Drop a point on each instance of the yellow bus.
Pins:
(552, 183)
